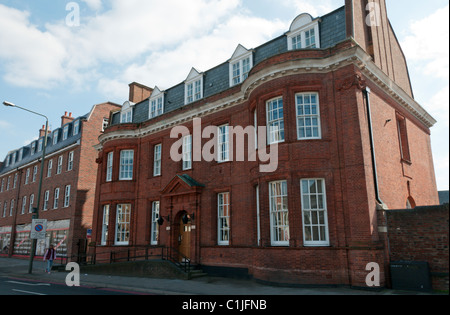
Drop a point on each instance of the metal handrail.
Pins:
(174, 256)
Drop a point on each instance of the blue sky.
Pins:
(49, 66)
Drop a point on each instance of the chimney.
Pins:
(66, 119)
(368, 24)
(42, 131)
(139, 92)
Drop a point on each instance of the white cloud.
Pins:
(438, 105)
(94, 4)
(427, 50)
(128, 31)
(134, 40)
(312, 7)
(165, 68)
(30, 57)
(427, 45)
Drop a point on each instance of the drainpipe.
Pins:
(366, 93)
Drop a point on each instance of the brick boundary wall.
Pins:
(421, 234)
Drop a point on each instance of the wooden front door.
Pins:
(184, 240)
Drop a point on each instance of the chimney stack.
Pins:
(139, 92)
(42, 131)
(66, 119)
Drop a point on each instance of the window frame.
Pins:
(70, 161)
(56, 198)
(297, 31)
(223, 145)
(31, 202)
(238, 70)
(126, 170)
(281, 131)
(154, 237)
(306, 116)
(46, 199)
(67, 196)
(49, 168)
(76, 127)
(65, 132)
(187, 153)
(109, 166)
(55, 136)
(222, 217)
(194, 85)
(402, 132)
(24, 204)
(157, 160)
(123, 241)
(275, 224)
(11, 209)
(105, 225)
(126, 116)
(156, 104)
(324, 209)
(35, 171)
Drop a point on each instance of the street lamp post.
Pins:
(35, 210)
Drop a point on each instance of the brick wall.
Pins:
(421, 234)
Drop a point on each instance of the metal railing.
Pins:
(130, 255)
(178, 259)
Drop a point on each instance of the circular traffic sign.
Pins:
(39, 227)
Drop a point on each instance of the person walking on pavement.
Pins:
(50, 255)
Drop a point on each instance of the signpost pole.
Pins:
(36, 210)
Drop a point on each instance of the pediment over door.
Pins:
(182, 184)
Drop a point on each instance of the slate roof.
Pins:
(27, 157)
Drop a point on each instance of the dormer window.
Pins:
(240, 65)
(304, 33)
(65, 132)
(193, 90)
(55, 137)
(126, 115)
(156, 103)
(40, 144)
(76, 127)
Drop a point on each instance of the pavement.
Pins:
(18, 268)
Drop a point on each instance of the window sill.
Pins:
(408, 162)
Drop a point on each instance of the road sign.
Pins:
(38, 229)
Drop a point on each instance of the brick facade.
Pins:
(67, 222)
(345, 78)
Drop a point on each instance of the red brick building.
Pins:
(68, 187)
(335, 97)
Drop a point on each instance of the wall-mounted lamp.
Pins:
(161, 220)
(188, 218)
